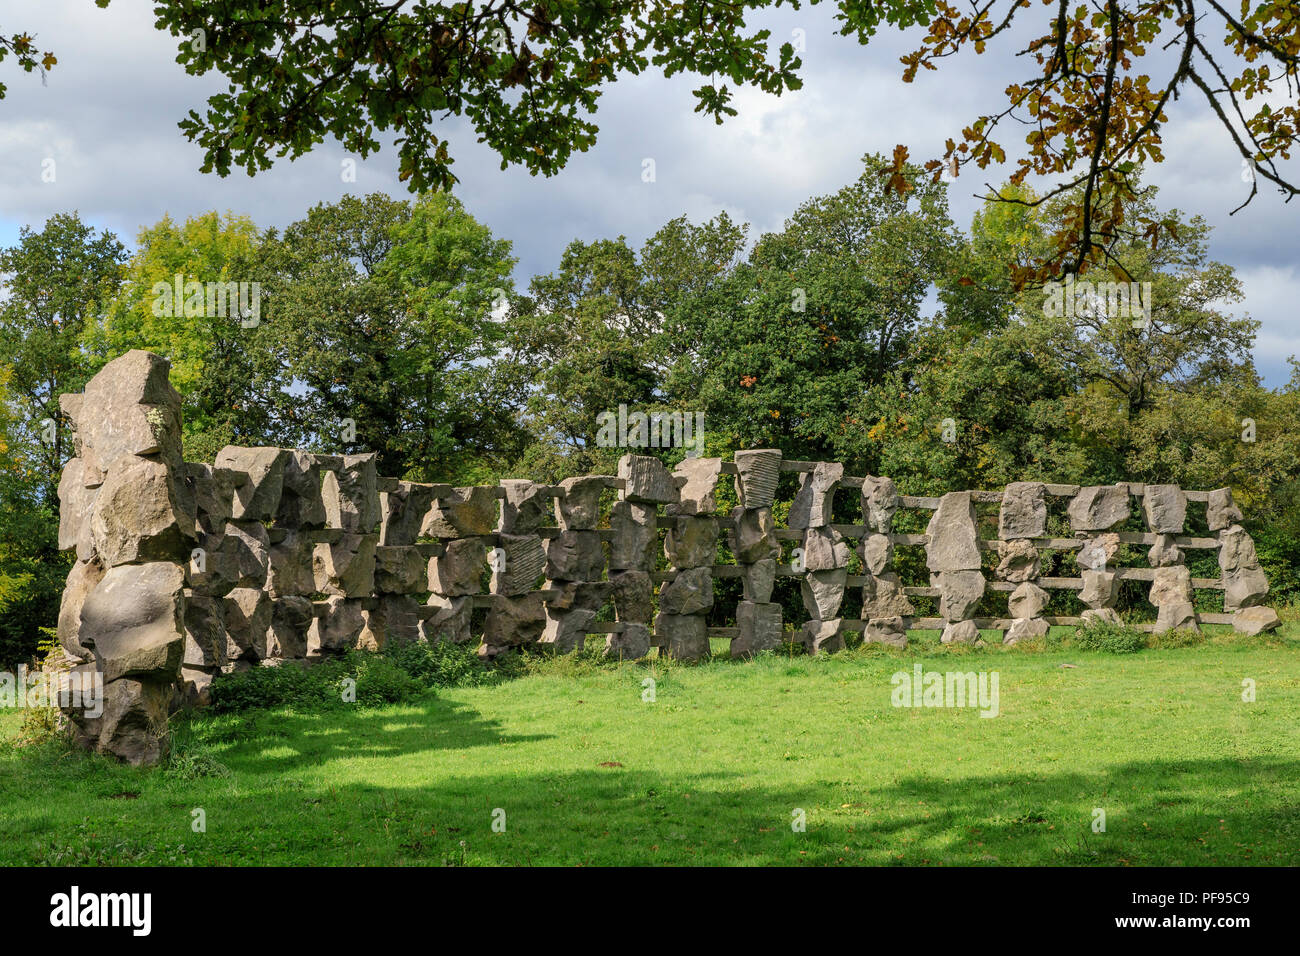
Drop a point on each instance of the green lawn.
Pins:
(711, 772)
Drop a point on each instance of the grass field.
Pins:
(712, 771)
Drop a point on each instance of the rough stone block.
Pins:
(458, 571)
(575, 556)
(630, 644)
(636, 536)
(1028, 600)
(579, 508)
(824, 549)
(302, 504)
(290, 630)
(822, 637)
(246, 613)
(351, 495)
(823, 592)
(1017, 561)
(451, 622)
(699, 481)
(526, 506)
(404, 509)
(633, 596)
(401, 569)
(347, 567)
(814, 500)
(1165, 508)
(753, 535)
(879, 503)
(1221, 510)
(290, 568)
(1025, 629)
(519, 563)
(139, 515)
(1099, 508)
(1100, 589)
(954, 541)
(338, 629)
(565, 631)
(513, 621)
(682, 637)
(258, 498)
(135, 621)
(885, 630)
(960, 592)
(877, 553)
(757, 472)
(82, 580)
(690, 592)
(758, 579)
(1024, 511)
(883, 596)
(760, 627)
(1255, 620)
(692, 542)
(960, 632)
(646, 480)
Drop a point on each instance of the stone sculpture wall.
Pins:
(273, 555)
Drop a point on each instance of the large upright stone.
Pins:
(140, 515)
(463, 513)
(692, 542)
(290, 569)
(880, 501)
(525, 508)
(1017, 560)
(1024, 510)
(883, 596)
(1099, 507)
(690, 592)
(135, 621)
(458, 571)
(814, 501)
(578, 509)
(1165, 508)
(823, 592)
(753, 535)
(1220, 510)
(636, 536)
(954, 540)
(877, 553)
(824, 549)
(760, 629)
(213, 490)
(129, 408)
(513, 621)
(960, 592)
(575, 556)
(401, 569)
(519, 561)
(258, 498)
(347, 567)
(645, 479)
(757, 472)
(351, 495)
(82, 580)
(682, 637)
(404, 509)
(302, 504)
(1028, 600)
(75, 501)
(633, 595)
(565, 631)
(698, 478)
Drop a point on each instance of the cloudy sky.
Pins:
(108, 112)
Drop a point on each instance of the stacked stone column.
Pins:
(634, 523)
(1244, 583)
(952, 554)
(401, 563)
(825, 557)
(575, 564)
(759, 623)
(517, 612)
(126, 509)
(885, 606)
(463, 520)
(343, 567)
(691, 547)
(1021, 519)
(1093, 511)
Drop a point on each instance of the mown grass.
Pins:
(711, 771)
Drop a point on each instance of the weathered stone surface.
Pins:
(822, 637)
(633, 595)
(338, 629)
(346, 568)
(246, 614)
(1100, 589)
(760, 628)
(213, 491)
(129, 408)
(690, 592)
(960, 632)
(513, 621)
(1018, 561)
(290, 570)
(458, 571)
(882, 596)
(630, 644)
(520, 563)
(877, 552)
(134, 620)
(646, 480)
(404, 509)
(257, 499)
(575, 556)
(402, 569)
(885, 630)
(291, 620)
(879, 503)
(139, 515)
(566, 631)
(75, 500)
(824, 549)
(205, 632)
(758, 579)
(814, 501)
(351, 495)
(753, 535)
(464, 513)
(302, 504)
(1221, 510)
(1236, 550)
(1171, 586)
(1097, 616)
(1024, 511)
(133, 727)
(1245, 587)
(82, 580)
(1099, 508)
(692, 542)
(1164, 553)
(1176, 616)
(244, 551)
(1255, 620)
(960, 592)
(757, 472)
(954, 541)
(1098, 552)
(696, 494)
(1025, 629)
(452, 621)
(682, 637)
(578, 595)
(1165, 508)
(195, 686)
(636, 536)
(579, 508)
(823, 592)
(1028, 600)
(525, 508)
(395, 620)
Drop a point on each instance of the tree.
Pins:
(23, 46)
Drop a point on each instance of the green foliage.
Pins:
(1108, 638)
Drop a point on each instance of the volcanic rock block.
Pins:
(395, 619)
(246, 613)
(822, 637)
(758, 579)
(646, 480)
(1164, 553)
(1171, 586)
(402, 569)
(630, 644)
(1100, 589)
(257, 499)
(525, 508)
(82, 580)
(351, 496)
(1165, 508)
(458, 571)
(245, 549)
(403, 510)
(134, 619)
(760, 628)
(682, 637)
(1100, 616)
(1028, 600)
(1220, 510)
(1098, 508)
(139, 514)
(877, 552)
(959, 591)
(579, 507)
(205, 632)
(578, 595)
(823, 592)
(347, 567)
(1017, 561)
(633, 596)
(1024, 510)
(960, 632)
(195, 686)
(129, 408)
(753, 535)
(1025, 629)
(290, 630)
(1098, 552)
(879, 503)
(75, 501)
(690, 592)
(575, 556)
(521, 561)
(757, 472)
(1176, 616)
(636, 536)
(451, 622)
(692, 542)
(290, 567)
(338, 629)
(814, 501)
(883, 596)
(1236, 550)
(565, 631)
(885, 630)
(133, 726)
(954, 542)
(513, 621)
(466, 512)
(824, 549)
(302, 504)
(699, 480)
(1245, 587)
(1255, 620)
(213, 490)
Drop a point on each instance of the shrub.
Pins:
(1109, 638)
